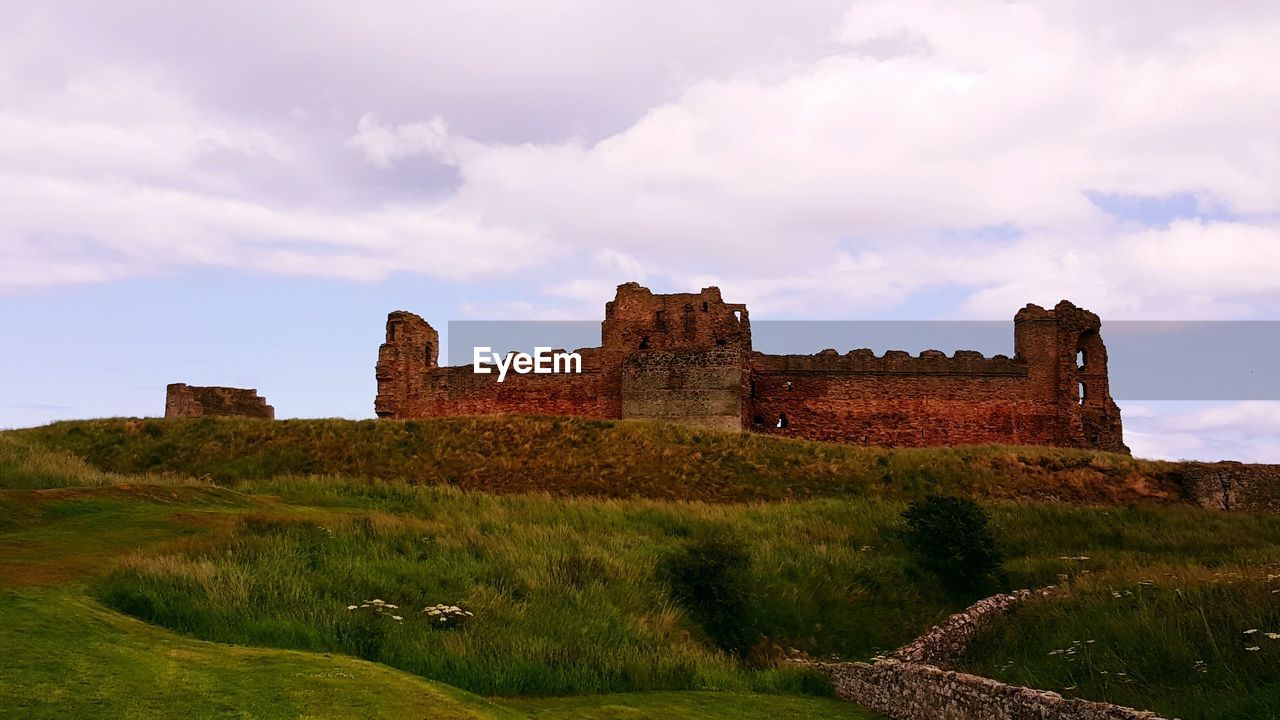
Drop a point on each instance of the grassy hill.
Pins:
(573, 457)
(244, 539)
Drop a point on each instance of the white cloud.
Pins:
(842, 182)
(1251, 418)
(1246, 431)
(383, 146)
(121, 229)
(828, 162)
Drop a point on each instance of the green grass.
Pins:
(568, 598)
(250, 534)
(566, 456)
(65, 656)
(1174, 641)
(566, 593)
(687, 706)
(27, 463)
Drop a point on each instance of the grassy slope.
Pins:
(64, 655)
(831, 576)
(583, 457)
(122, 668)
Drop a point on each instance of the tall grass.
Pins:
(1192, 643)
(568, 596)
(564, 602)
(27, 464)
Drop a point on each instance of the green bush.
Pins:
(710, 578)
(949, 537)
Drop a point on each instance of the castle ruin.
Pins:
(182, 400)
(687, 357)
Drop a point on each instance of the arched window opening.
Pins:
(426, 354)
(759, 419)
(705, 306)
(751, 388)
(788, 385)
(1091, 355)
(1083, 392)
(391, 332)
(644, 343)
(782, 420)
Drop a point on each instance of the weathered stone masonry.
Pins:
(909, 691)
(909, 684)
(184, 400)
(687, 357)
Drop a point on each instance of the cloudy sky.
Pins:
(237, 192)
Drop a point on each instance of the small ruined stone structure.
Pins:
(687, 357)
(191, 401)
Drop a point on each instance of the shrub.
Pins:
(949, 537)
(710, 578)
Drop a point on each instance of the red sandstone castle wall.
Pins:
(898, 409)
(411, 384)
(450, 391)
(687, 357)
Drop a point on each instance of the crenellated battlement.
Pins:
(866, 361)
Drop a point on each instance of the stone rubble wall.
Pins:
(948, 641)
(908, 684)
(912, 691)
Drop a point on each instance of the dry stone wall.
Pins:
(913, 691)
(909, 685)
(948, 641)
